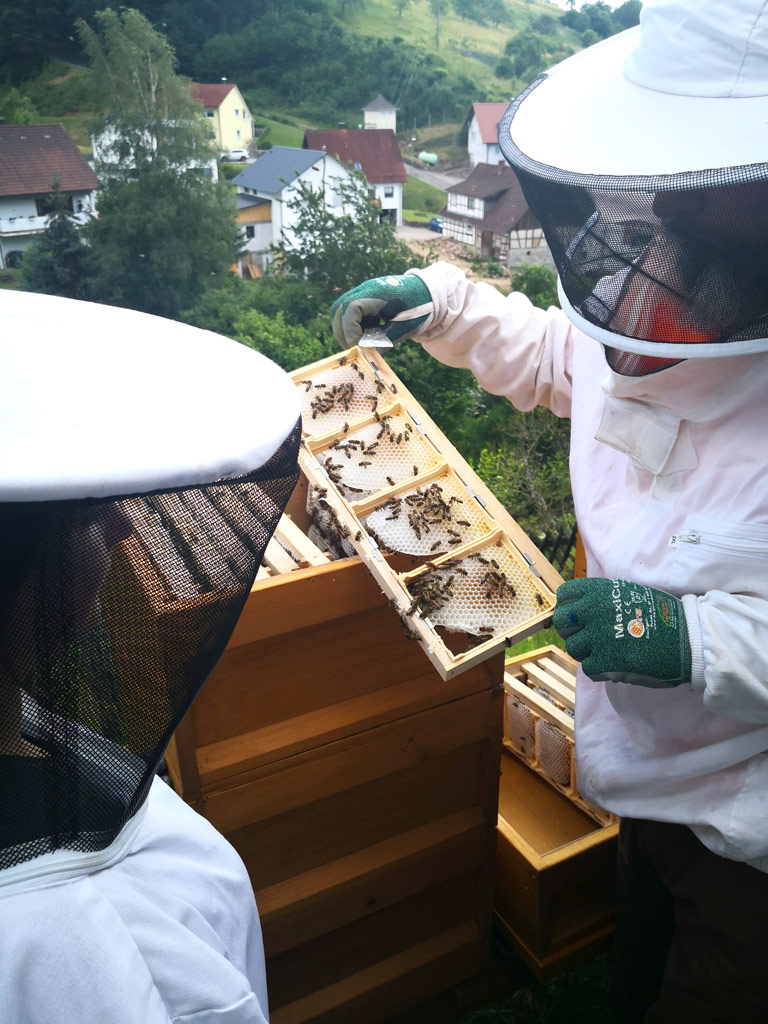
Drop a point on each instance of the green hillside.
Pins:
(466, 46)
(318, 62)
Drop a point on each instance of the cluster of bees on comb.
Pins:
(433, 589)
(427, 508)
(494, 582)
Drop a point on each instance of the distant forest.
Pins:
(297, 53)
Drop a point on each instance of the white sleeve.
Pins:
(513, 348)
(729, 648)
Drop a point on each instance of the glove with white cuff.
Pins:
(398, 304)
(624, 632)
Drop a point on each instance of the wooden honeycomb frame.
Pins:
(394, 399)
(544, 681)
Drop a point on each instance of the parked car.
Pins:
(237, 156)
(436, 224)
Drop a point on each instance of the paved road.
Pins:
(436, 178)
(408, 232)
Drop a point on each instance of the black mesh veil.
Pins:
(113, 614)
(671, 265)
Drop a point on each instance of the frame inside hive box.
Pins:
(385, 481)
(540, 700)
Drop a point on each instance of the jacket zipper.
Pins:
(727, 544)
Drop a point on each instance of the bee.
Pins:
(539, 599)
(390, 481)
(346, 427)
(454, 540)
(494, 563)
(435, 546)
(322, 386)
(462, 522)
(307, 384)
(393, 389)
(343, 361)
(358, 535)
(415, 470)
(481, 560)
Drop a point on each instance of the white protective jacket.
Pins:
(670, 488)
(163, 930)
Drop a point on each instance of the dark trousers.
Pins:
(691, 931)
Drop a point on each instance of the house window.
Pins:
(250, 231)
(209, 113)
(45, 206)
(389, 191)
(470, 203)
(237, 134)
(237, 111)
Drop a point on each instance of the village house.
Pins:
(375, 153)
(267, 188)
(483, 133)
(34, 159)
(380, 113)
(489, 212)
(228, 112)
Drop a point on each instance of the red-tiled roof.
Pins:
(33, 156)
(211, 95)
(488, 116)
(375, 149)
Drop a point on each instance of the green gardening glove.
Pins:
(624, 632)
(398, 304)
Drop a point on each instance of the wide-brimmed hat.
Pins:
(145, 465)
(97, 401)
(646, 156)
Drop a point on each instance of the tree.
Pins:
(538, 282)
(527, 51)
(334, 251)
(627, 15)
(437, 7)
(401, 5)
(55, 262)
(166, 230)
(18, 109)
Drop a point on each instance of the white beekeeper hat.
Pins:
(645, 157)
(98, 401)
(144, 466)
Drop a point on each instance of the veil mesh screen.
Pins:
(113, 614)
(676, 259)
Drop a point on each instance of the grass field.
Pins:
(420, 200)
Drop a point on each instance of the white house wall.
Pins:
(20, 221)
(391, 202)
(380, 119)
(465, 206)
(481, 152)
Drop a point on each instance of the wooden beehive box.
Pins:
(556, 851)
(358, 786)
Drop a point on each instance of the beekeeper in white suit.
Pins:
(144, 466)
(645, 158)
